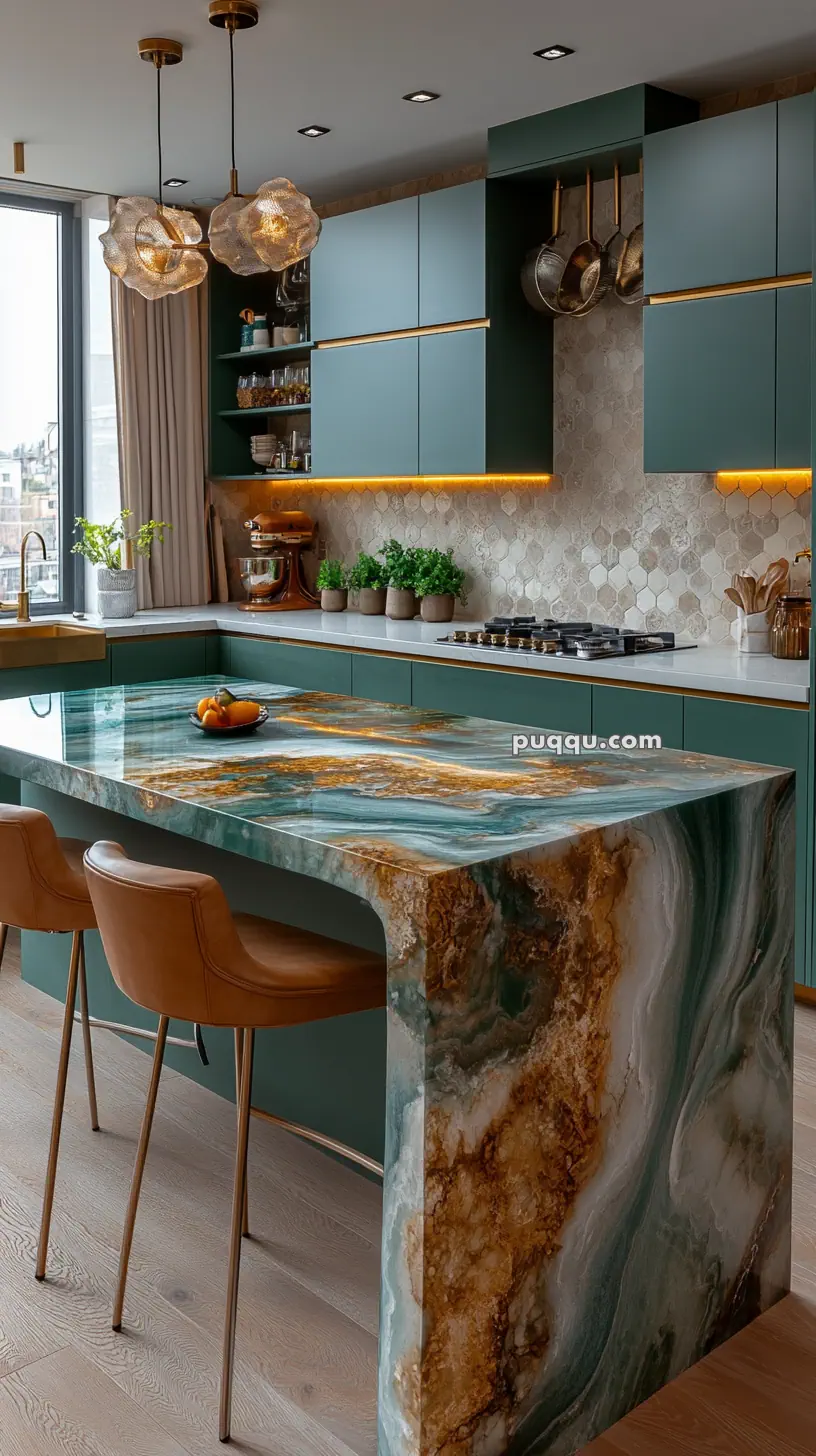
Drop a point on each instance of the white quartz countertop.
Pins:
(721, 670)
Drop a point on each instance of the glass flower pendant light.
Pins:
(153, 248)
(277, 227)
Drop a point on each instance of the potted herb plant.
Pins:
(111, 549)
(369, 579)
(438, 581)
(332, 583)
(400, 566)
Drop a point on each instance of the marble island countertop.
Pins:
(714, 669)
(589, 1010)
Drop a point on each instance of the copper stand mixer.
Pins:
(273, 576)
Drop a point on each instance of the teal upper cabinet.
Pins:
(452, 403)
(797, 118)
(709, 379)
(710, 202)
(365, 409)
(364, 272)
(452, 265)
(793, 377)
(586, 127)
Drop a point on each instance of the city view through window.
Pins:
(30, 463)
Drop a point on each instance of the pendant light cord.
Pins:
(232, 105)
(159, 133)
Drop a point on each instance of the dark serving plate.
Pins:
(237, 731)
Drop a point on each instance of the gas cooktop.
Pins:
(563, 639)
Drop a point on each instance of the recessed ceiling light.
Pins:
(421, 96)
(554, 52)
(314, 131)
(176, 182)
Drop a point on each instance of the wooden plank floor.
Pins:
(307, 1342)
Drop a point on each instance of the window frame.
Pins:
(69, 243)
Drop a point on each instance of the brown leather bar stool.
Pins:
(175, 948)
(43, 887)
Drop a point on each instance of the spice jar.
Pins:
(790, 628)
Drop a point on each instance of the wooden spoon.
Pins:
(772, 583)
(734, 596)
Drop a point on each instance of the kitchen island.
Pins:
(590, 991)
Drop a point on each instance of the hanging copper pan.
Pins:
(589, 273)
(543, 267)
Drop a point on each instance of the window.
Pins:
(39, 397)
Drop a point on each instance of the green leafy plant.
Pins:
(102, 545)
(438, 575)
(367, 571)
(400, 564)
(332, 576)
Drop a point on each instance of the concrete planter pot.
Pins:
(400, 604)
(334, 600)
(116, 592)
(371, 600)
(438, 608)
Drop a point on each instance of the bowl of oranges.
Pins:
(224, 713)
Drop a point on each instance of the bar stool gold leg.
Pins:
(138, 1171)
(239, 1188)
(3, 935)
(239, 1061)
(86, 1035)
(59, 1103)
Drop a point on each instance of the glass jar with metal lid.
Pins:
(790, 628)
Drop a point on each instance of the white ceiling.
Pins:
(72, 86)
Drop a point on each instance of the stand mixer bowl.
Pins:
(262, 576)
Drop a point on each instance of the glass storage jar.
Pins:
(790, 628)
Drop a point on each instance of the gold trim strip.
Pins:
(727, 290)
(418, 333)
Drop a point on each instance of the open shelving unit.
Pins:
(231, 427)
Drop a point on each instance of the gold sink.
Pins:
(42, 644)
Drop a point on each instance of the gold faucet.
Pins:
(23, 602)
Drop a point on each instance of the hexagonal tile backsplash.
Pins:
(604, 541)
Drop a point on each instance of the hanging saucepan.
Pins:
(589, 274)
(629, 277)
(543, 267)
(616, 243)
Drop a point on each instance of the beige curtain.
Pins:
(160, 351)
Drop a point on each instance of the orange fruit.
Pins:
(213, 719)
(203, 706)
(239, 714)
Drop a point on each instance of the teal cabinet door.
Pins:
(507, 697)
(710, 201)
(452, 262)
(709, 380)
(153, 660)
(364, 272)
(761, 734)
(797, 120)
(365, 411)
(317, 669)
(383, 679)
(452, 403)
(635, 710)
(25, 682)
(793, 376)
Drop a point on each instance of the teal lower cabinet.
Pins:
(760, 734)
(152, 659)
(365, 409)
(318, 669)
(383, 679)
(636, 710)
(24, 682)
(537, 699)
(709, 381)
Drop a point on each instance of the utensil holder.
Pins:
(753, 632)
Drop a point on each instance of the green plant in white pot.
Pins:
(332, 583)
(369, 579)
(400, 564)
(439, 582)
(111, 549)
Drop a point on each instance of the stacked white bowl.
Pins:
(263, 448)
